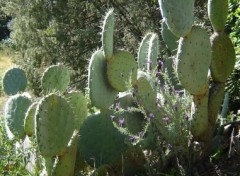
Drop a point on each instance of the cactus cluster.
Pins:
(128, 95)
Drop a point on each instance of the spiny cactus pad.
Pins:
(29, 126)
(107, 34)
(122, 70)
(143, 52)
(126, 100)
(153, 51)
(216, 96)
(55, 78)
(223, 57)
(64, 164)
(54, 125)
(217, 13)
(199, 121)
(194, 58)
(169, 38)
(100, 142)
(14, 81)
(15, 110)
(178, 15)
(78, 104)
(145, 91)
(102, 95)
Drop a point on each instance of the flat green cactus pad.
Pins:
(107, 34)
(178, 15)
(169, 38)
(153, 51)
(194, 58)
(100, 142)
(15, 110)
(223, 57)
(14, 81)
(102, 95)
(55, 78)
(29, 126)
(217, 13)
(143, 52)
(199, 119)
(122, 71)
(54, 125)
(78, 103)
(145, 91)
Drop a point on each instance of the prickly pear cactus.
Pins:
(54, 125)
(14, 81)
(193, 61)
(55, 78)
(107, 34)
(178, 15)
(143, 51)
(14, 113)
(78, 103)
(64, 164)
(153, 51)
(217, 13)
(101, 94)
(29, 126)
(122, 71)
(169, 38)
(100, 142)
(223, 57)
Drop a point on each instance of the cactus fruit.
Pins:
(100, 142)
(54, 125)
(15, 110)
(169, 38)
(122, 71)
(143, 51)
(29, 125)
(107, 34)
(194, 58)
(14, 81)
(217, 13)
(64, 164)
(55, 78)
(78, 104)
(223, 57)
(102, 95)
(173, 12)
(145, 90)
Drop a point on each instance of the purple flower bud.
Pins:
(117, 106)
(166, 120)
(112, 117)
(121, 122)
(151, 116)
(186, 117)
(158, 73)
(132, 139)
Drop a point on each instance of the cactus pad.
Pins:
(169, 38)
(78, 104)
(153, 51)
(29, 125)
(100, 142)
(178, 15)
(143, 51)
(223, 57)
(122, 71)
(194, 58)
(56, 77)
(15, 110)
(14, 81)
(102, 95)
(145, 91)
(107, 34)
(217, 13)
(54, 125)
